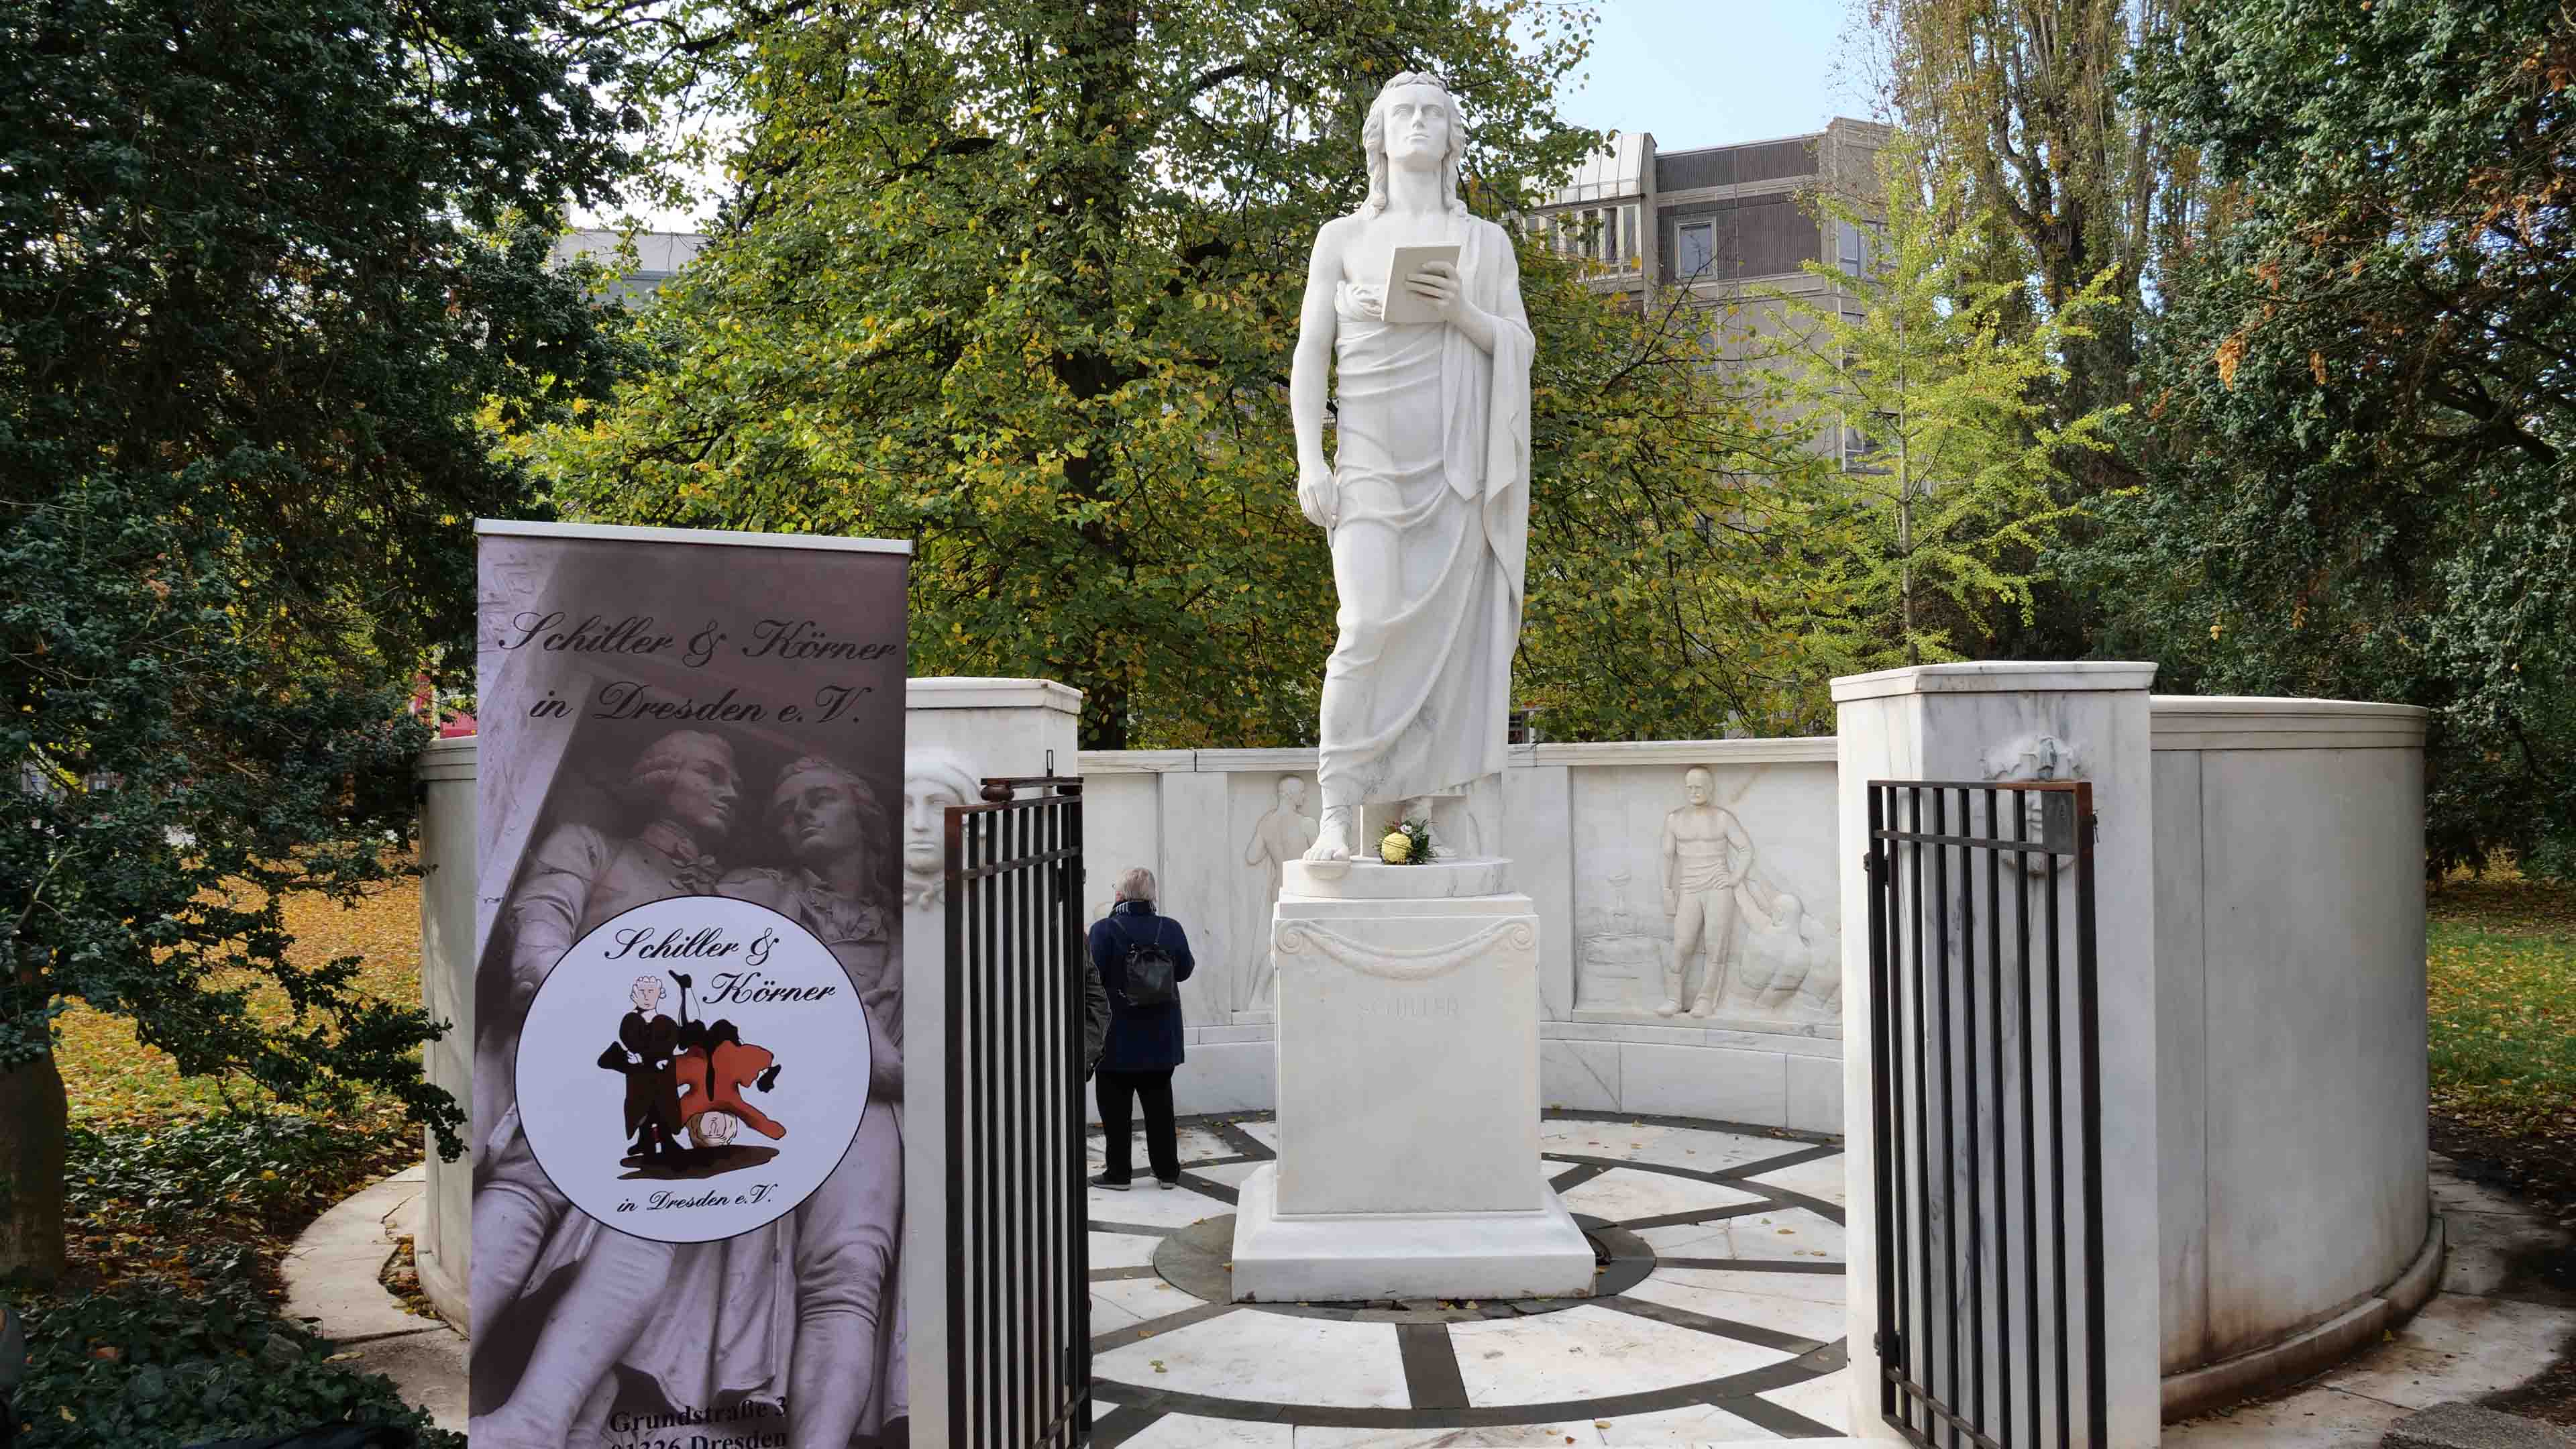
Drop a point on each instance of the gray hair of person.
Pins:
(1373, 140)
(1135, 883)
(664, 759)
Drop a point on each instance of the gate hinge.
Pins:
(1889, 1346)
(1869, 865)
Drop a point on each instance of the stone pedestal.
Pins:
(1408, 1096)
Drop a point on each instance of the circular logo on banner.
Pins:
(693, 1069)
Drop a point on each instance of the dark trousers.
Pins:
(1162, 1142)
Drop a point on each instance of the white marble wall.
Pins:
(446, 772)
(2290, 1014)
(1583, 827)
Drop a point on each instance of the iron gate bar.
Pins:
(1931, 1335)
(1019, 1329)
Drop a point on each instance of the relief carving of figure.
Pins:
(1427, 501)
(1790, 961)
(1281, 835)
(1707, 856)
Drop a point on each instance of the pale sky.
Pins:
(1714, 72)
(1692, 72)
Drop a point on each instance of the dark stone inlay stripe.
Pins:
(1576, 1176)
(1133, 1230)
(1713, 1176)
(1713, 1326)
(1695, 1124)
(1122, 1424)
(1749, 1265)
(1786, 1422)
(1247, 1147)
(1157, 1327)
(1700, 1215)
(1197, 1261)
(1206, 1187)
(1495, 1416)
(1118, 1275)
(1821, 1208)
(1785, 1160)
(1431, 1378)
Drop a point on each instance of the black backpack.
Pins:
(1152, 977)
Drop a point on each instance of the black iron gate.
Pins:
(1019, 1301)
(1987, 1113)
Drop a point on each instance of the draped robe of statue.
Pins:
(1434, 443)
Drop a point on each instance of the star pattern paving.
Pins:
(1718, 1312)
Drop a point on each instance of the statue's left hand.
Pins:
(1438, 283)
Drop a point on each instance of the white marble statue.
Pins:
(1427, 495)
(1707, 858)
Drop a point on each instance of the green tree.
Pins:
(1688, 551)
(1021, 285)
(1964, 465)
(245, 323)
(2358, 398)
(2065, 178)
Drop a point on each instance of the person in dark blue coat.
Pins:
(1144, 1041)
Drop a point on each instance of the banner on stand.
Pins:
(687, 1130)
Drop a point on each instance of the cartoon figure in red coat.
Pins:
(715, 1069)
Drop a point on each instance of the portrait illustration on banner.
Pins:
(687, 1131)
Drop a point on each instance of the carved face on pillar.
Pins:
(1695, 785)
(933, 780)
(2037, 757)
(1292, 792)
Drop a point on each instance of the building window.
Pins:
(1694, 248)
(1856, 248)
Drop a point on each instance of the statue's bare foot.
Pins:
(1333, 836)
(1669, 1008)
(1702, 1007)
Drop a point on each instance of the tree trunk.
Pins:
(33, 1113)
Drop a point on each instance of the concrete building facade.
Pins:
(1725, 227)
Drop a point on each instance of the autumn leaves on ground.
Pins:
(183, 1199)
(2500, 971)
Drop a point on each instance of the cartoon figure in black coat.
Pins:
(647, 1043)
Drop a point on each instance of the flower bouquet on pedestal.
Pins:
(1407, 844)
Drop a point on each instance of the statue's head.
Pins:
(1414, 123)
(933, 780)
(687, 777)
(1695, 785)
(1292, 791)
(822, 812)
(646, 993)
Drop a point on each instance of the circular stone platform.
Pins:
(1718, 1313)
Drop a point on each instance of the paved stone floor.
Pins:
(1720, 1317)
(1720, 1322)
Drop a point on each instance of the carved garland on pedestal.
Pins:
(1397, 963)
